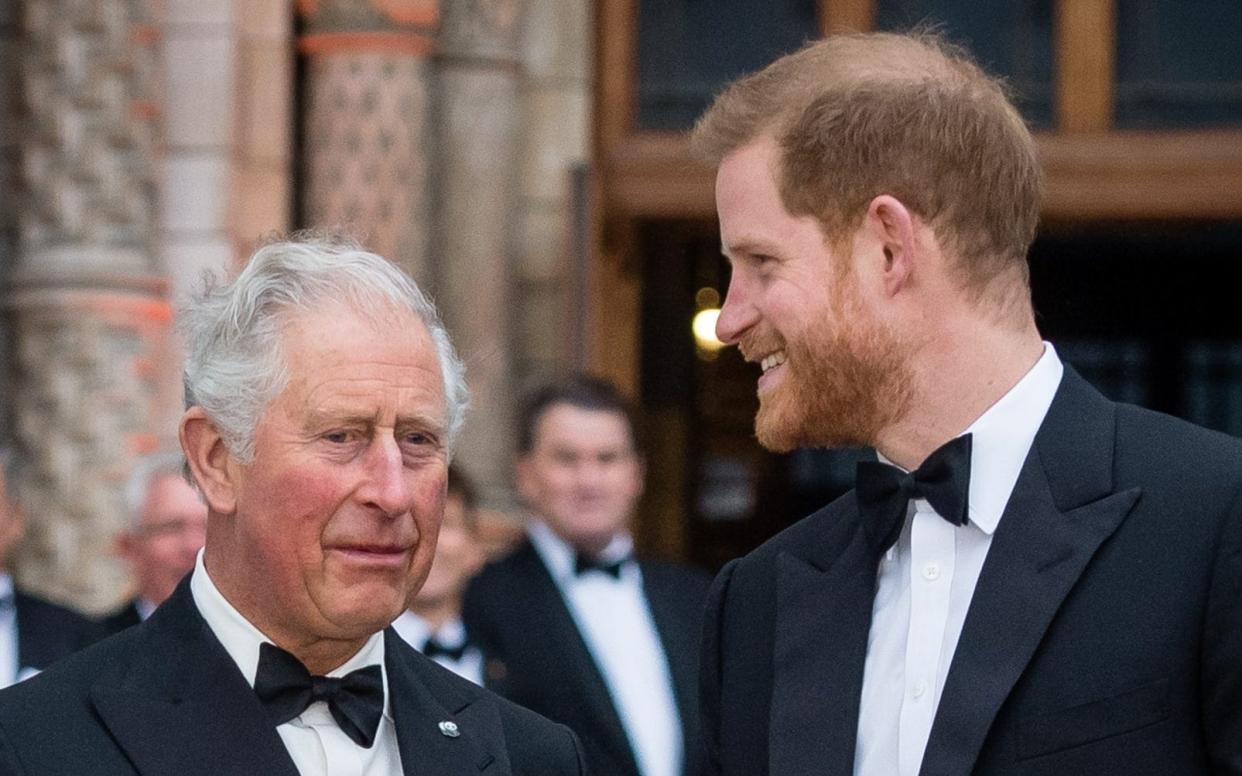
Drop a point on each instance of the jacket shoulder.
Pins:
(538, 746)
(60, 617)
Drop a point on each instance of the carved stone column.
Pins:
(365, 128)
(478, 130)
(556, 137)
(9, 99)
(90, 320)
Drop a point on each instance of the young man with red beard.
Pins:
(1032, 579)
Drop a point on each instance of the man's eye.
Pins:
(338, 437)
(419, 439)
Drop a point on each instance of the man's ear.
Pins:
(890, 225)
(522, 479)
(210, 462)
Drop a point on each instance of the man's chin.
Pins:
(783, 430)
(775, 429)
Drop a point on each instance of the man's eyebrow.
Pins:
(751, 246)
(421, 421)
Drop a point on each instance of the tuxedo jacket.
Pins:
(538, 658)
(47, 632)
(122, 618)
(165, 699)
(1104, 636)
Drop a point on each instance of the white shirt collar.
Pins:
(1002, 436)
(241, 639)
(145, 607)
(6, 585)
(558, 556)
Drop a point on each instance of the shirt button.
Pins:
(931, 572)
(919, 688)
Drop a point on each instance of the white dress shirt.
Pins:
(144, 607)
(9, 668)
(416, 631)
(315, 742)
(615, 622)
(927, 579)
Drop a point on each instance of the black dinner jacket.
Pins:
(48, 632)
(165, 699)
(1104, 636)
(538, 658)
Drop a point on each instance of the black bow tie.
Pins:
(884, 491)
(286, 688)
(435, 648)
(585, 563)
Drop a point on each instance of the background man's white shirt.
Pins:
(926, 581)
(415, 631)
(9, 669)
(615, 622)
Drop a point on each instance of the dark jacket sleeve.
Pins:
(1221, 678)
(709, 672)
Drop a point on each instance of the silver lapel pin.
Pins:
(450, 729)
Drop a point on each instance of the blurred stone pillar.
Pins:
(90, 318)
(365, 126)
(556, 139)
(9, 99)
(477, 118)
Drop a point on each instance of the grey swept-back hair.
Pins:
(148, 469)
(234, 366)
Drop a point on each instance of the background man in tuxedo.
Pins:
(586, 634)
(167, 529)
(34, 633)
(323, 397)
(1033, 579)
(432, 624)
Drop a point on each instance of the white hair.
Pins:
(146, 472)
(234, 366)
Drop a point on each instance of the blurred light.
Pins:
(706, 297)
(704, 328)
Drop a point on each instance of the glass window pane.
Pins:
(1009, 39)
(1178, 64)
(688, 50)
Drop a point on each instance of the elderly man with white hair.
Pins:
(323, 397)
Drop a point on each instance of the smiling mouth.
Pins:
(772, 360)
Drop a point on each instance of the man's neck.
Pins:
(958, 375)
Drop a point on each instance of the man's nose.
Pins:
(737, 314)
(386, 485)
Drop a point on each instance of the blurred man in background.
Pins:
(168, 525)
(34, 633)
(432, 624)
(586, 634)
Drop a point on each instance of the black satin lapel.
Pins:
(418, 713)
(823, 618)
(1038, 553)
(207, 736)
(185, 707)
(682, 656)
